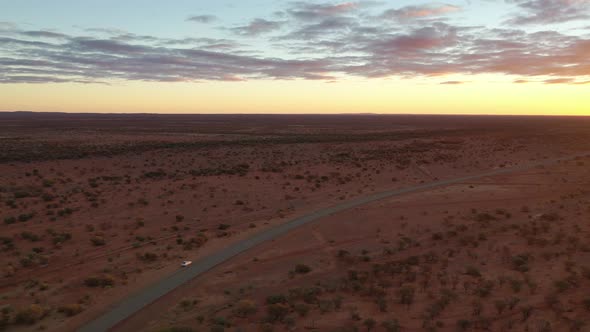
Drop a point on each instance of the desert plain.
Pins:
(96, 208)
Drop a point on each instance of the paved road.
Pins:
(131, 305)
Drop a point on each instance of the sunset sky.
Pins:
(263, 56)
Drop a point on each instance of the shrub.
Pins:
(343, 253)
(187, 305)
(520, 262)
(526, 312)
(326, 306)
(154, 174)
(473, 271)
(30, 236)
(277, 312)
(47, 197)
(30, 315)
(500, 306)
(9, 220)
(71, 309)
(485, 217)
(100, 281)
(516, 285)
(485, 288)
(562, 285)
(437, 236)
(391, 325)
(245, 308)
(406, 295)
(370, 323)
(61, 237)
(25, 217)
(7, 243)
(98, 241)
(177, 329)
(273, 299)
(382, 303)
(27, 261)
(302, 309)
(302, 269)
(148, 257)
(513, 302)
(463, 324)
(21, 194)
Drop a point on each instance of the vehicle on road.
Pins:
(186, 263)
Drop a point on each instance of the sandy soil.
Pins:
(95, 208)
(509, 253)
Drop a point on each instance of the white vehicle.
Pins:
(186, 263)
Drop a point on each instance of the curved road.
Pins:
(136, 302)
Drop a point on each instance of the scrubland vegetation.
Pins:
(92, 214)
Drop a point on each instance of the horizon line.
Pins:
(273, 114)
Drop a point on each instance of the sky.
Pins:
(262, 56)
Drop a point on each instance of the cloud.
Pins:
(310, 11)
(257, 27)
(419, 12)
(452, 82)
(316, 41)
(419, 40)
(321, 28)
(86, 59)
(7, 26)
(43, 34)
(105, 46)
(202, 18)
(550, 11)
(559, 81)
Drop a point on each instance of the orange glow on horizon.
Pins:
(476, 95)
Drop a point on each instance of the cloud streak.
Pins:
(419, 12)
(550, 11)
(202, 18)
(257, 27)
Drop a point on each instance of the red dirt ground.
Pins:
(84, 198)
